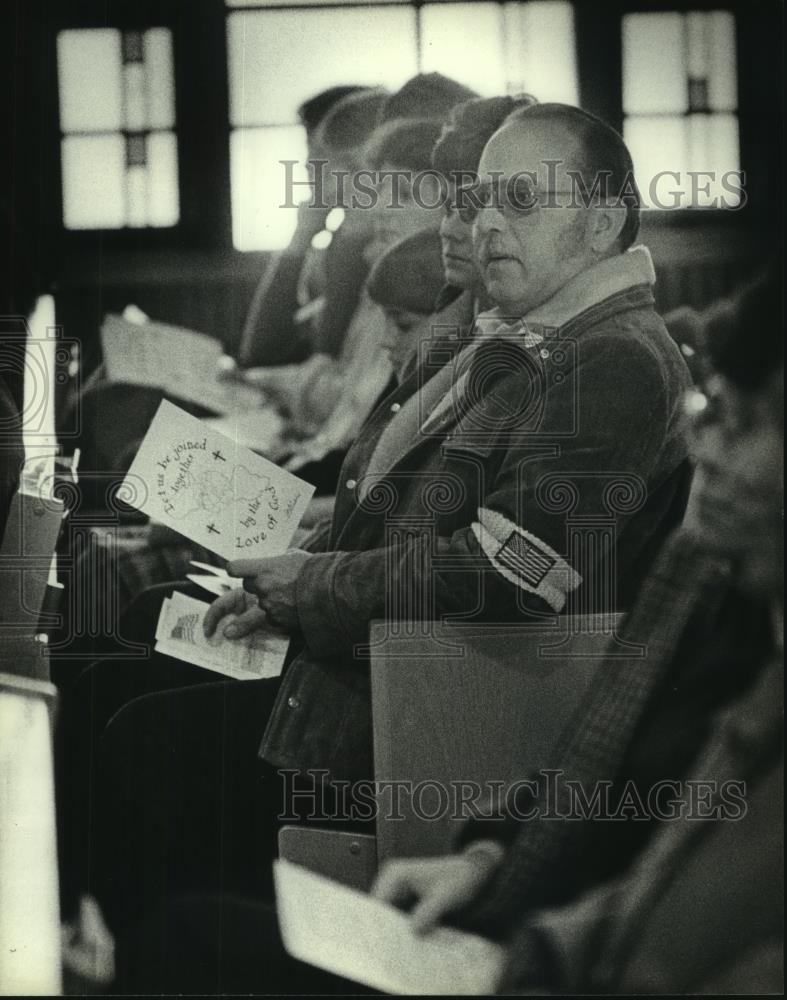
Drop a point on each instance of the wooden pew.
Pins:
(451, 705)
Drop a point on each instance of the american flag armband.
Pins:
(525, 560)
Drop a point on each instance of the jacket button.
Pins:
(395, 407)
(293, 703)
(351, 484)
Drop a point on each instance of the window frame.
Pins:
(599, 34)
(202, 113)
(201, 105)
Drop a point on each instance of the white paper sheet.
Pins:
(179, 361)
(353, 935)
(179, 634)
(212, 490)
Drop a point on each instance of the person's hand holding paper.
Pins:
(367, 941)
(435, 887)
(272, 581)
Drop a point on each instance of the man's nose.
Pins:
(488, 220)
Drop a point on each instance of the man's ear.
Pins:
(606, 225)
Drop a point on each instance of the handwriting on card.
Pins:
(214, 491)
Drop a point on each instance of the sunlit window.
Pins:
(280, 57)
(117, 116)
(680, 106)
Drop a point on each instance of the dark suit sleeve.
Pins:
(610, 423)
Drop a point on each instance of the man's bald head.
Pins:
(592, 151)
(556, 196)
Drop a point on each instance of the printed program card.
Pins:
(179, 634)
(213, 490)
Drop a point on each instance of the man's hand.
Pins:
(437, 886)
(236, 602)
(272, 581)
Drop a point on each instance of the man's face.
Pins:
(459, 263)
(736, 504)
(526, 254)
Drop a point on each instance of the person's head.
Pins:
(456, 156)
(314, 109)
(405, 282)
(427, 95)
(557, 195)
(736, 505)
(408, 194)
(347, 126)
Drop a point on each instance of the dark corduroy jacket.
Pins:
(576, 438)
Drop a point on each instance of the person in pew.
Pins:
(456, 157)
(697, 906)
(325, 393)
(700, 910)
(406, 282)
(301, 276)
(426, 96)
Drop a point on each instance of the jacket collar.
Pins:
(601, 283)
(583, 292)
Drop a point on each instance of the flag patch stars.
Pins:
(525, 560)
(524, 557)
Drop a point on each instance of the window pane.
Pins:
(541, 50)
(162, 192)
(278, 59)
(654, 70)
(159, 75)
(712, 142)
(465, 41)
(698, 144)
(90, 82)
(722, 69)
(258, 182)
(658, 146)
(94, 169)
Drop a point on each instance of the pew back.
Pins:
(468, 710)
